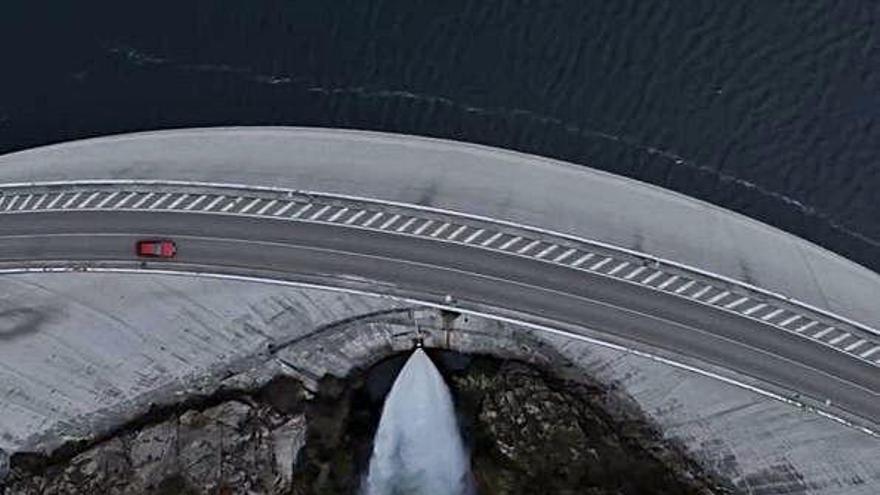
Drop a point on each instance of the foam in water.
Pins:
(418, 447)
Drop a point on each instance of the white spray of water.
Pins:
(418, 448)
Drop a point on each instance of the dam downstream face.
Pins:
(758, 107)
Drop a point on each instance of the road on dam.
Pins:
(408, 266)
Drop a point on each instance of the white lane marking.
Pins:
(492, 239)
(583, 259)
(306, 207)
(702, 292)
(230, 204)
(806, 326)
(870, 352)
(213, 203)
(40, 201)
(143, 200)
(618, 268)
(316, 215)
(197, 202)
(546, 251)
(334, 217)
(88, 199)
(106, 200)
(473, 236)
(510, 243)
(822, 333)
(423, 227)
(668, 282)
(265, 208)
(441, 229)
(736, 303)
(788, 321)
(717, 297)
(840, 338)
(3, 198)
(652, 277)
(855, 345)
(287, 206)
(250, 205)
(685, 287)
(174, 204)
(25, 202)
(634, 273)
(755, 308)
(390, 221)
(354, 218)
(158, 201)
(772, 314)
(528, 247)
(69, 201)
(373, 219)
(600, 264)
(54, 201)
(457, 233)
(405, 225)
(564, 256)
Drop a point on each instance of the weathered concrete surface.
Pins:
(80, 352)
(479, 180)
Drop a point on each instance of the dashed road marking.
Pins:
(250, 205)
(650, 278)
(840, 338)
(316, 215)
(773, 314)
(685, 287)
(354, 218)
(755, 309)
(619, 267)
(390, 221)
(195, 203)
(510, 243)
(373, 219)
(736, 303)
(822, 333)
(717, 297)
(547, 250)
(870, 352)
(788, 321)
(454, 235)
(806, 326)
(71, 200)
(441, 229)
(855, 345)
(266, 207)
(174, 204)
(600, 264)
(406, 224)
(668, 282)
(564, 256)
(471, 238)
(631, 275)
(306, 207)
(492, 239)
(702, 292)
(583, 259)
(423, 227)
(214, 203)
(155, 203)
(528, 247)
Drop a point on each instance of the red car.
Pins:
(156, 248)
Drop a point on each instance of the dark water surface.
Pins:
(769, 108)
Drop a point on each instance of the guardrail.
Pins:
(625, 265)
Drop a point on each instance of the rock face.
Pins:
(241, 445)
(536, 434)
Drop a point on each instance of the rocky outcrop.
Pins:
(243, 445)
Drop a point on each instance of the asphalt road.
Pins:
(407, 266)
